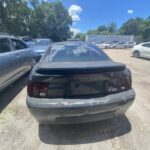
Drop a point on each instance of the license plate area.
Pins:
(87, 84)
(87, 88)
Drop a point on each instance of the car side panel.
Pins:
(146, 52)
(8, 68)
(25, 59)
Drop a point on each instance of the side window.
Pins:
(4, 45)
(146, 45)
(18, 45)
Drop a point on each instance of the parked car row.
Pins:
(115, 44)
(141, 50)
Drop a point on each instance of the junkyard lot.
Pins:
(19, 130)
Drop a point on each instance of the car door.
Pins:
(146, 50)
(23, 53)
(8, 68)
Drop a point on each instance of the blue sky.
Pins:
(89, 14)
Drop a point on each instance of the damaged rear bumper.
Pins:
(69, 111)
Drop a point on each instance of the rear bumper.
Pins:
(66, 111)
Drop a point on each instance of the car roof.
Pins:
(144, 43)
(7, 36)
(71, 42)
(42, 39)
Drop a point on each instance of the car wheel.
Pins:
(136, 54)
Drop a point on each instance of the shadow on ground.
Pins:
(141, 58)
(84, 133)
(8, 94)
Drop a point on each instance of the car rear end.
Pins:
(77, 92)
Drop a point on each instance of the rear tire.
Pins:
(136, 54)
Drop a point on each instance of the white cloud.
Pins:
(75, 31)
(74, 12)
(75, 18)
(130, 11)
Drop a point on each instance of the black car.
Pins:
(77, 82)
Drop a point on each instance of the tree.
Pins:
(34, 3)
(39, 19)
(138, 27)
(80, 36)
(15, 15)
(92, 32)
(146, 34)
(133, 27)
(51, 20)
(112, 27)
(102, 28)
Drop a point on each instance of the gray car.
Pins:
(16, 59)
(77, 82)
(40, 46)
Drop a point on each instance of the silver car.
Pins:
(16, 59)
(118, 45)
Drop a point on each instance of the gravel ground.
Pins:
(19, 130)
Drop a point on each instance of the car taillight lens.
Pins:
(125, 83)
(37, 89)
(118, 85)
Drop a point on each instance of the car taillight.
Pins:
(125, 83)
(118, 85)
(37, 89)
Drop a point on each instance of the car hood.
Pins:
(39, 49)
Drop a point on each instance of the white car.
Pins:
(118, 45)
(102, 45)
(106, 45)
(141, 50)
(130, 44)
(96, 43)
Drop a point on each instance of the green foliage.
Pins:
(138, 27)
(133, 27)
(43, 19)
(80, 36)
(104, 30)
(112, 28)
(146, 34)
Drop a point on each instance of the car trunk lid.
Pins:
(84, 80)
(79, 67)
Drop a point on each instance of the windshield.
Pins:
(75, 53)
(42, 42)
(30, 44)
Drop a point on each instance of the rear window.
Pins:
(75, 53)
